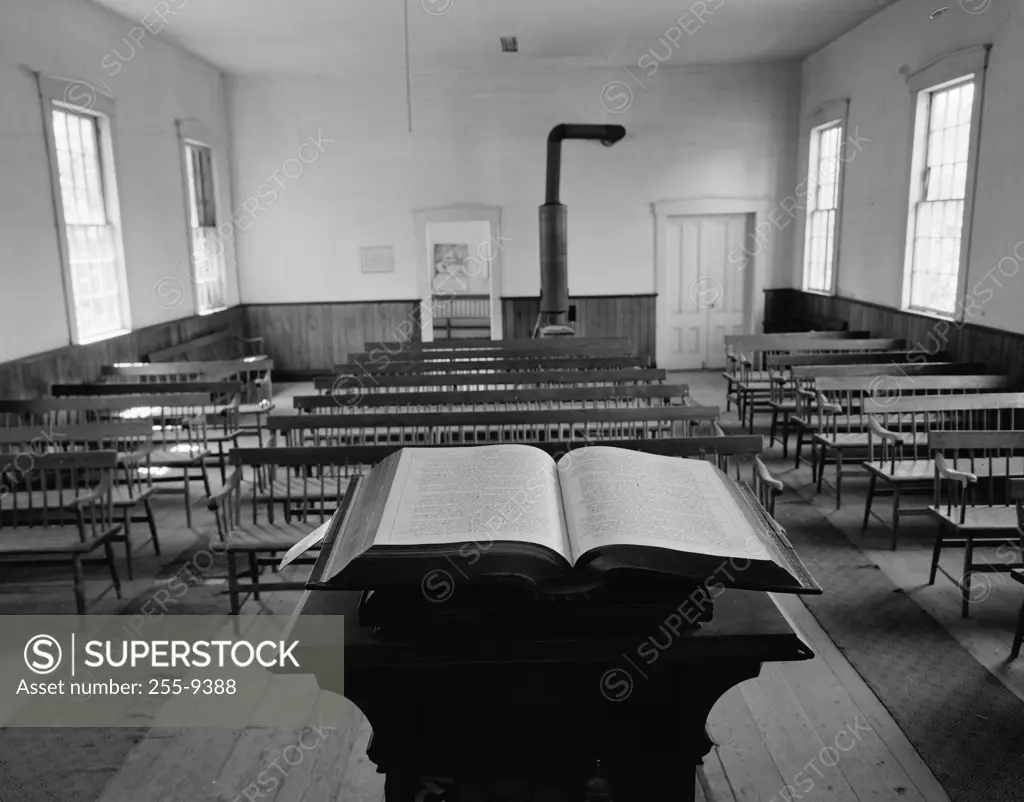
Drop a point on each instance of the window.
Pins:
(87, 211)
(822, 206)
(947, 114)
(206, 248)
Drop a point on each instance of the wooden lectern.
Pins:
(542, 704)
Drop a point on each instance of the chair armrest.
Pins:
(97, 494)
(765, 476)
(826, 407)
(944, 471)
(230, 486)
(250, 340)
(882, 433)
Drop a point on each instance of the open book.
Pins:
(512, 512)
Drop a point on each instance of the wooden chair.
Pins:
(260, 544)
(132, 483)
(57, 509)
(973, 503)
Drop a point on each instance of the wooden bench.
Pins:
(254, 373)
(219, 345)
(898, 454)
(596, 346)
(223, 395)
(737, 344)
(57, 510)
(348, 389)
(488, 365)
(132, 482)
(313, 480)
(488, 427)
(857, 410)
(974, 503)
(529, 398)
(754, 389)
(182, 437)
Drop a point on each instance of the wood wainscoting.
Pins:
(967, 342)
(310, 336)
(33, 375)
(629, 316)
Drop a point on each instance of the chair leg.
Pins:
(206, 479)
(774, 427)
(965, 580)
(151, 521)
(785, 435)
(128, 543)
(188, 498)
(221, 461)
(799, 445)
(868, 500)
(1018, 635)
(233, 582)
(79, 579)
(895, 514)
(108, 547)
(821, 463)
(936, 553)
(839, 478)
(254, 571)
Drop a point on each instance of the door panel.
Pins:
(705, 290)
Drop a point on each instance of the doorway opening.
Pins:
(459, 272)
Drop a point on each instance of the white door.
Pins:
(705, 290)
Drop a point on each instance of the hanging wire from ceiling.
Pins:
(408, 78)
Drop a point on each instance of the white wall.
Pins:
(154, 84)
(865, 65)
(723, 132)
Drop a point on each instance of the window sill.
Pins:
(947, 317)
(822, 293)
(98, 338)
(212, 311)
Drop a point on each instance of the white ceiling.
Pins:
(352, 38)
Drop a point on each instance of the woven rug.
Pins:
(963, 722)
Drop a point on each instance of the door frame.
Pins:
(458, 213)
(759, 256)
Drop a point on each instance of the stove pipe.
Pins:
(554, 275)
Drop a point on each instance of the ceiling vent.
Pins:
(509, 44)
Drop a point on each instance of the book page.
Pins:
(614, 496)
(474, 494)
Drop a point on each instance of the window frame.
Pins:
(939, 74)
(826, 114)
(80, 97)
(193, 132)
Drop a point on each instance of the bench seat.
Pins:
(29, 540)
(995, 519)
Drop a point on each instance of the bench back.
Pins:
(488, 365)
(349, 385)
(913, 418)
(780, 361)
(625, 395)
(816, 371)
(490, 426)
(216, 345)
(606, 346)
(761, 342)
(982, 467)
(58, 489)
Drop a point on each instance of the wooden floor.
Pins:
(776, 735)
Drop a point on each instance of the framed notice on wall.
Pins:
(377, 259)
